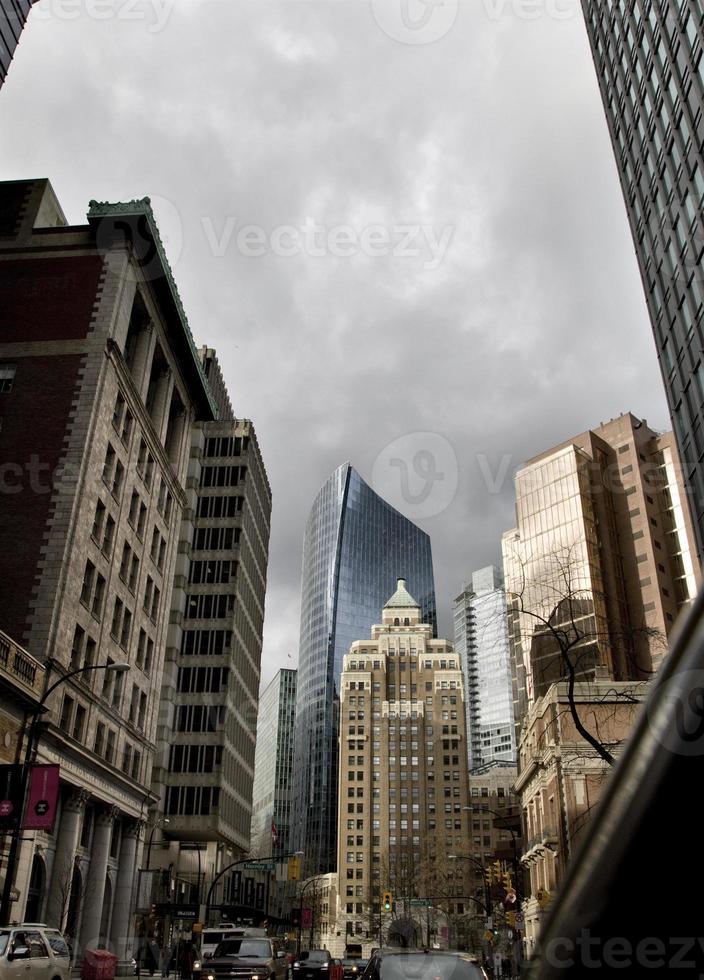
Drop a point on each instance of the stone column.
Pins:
(121, 930)
(142, 360)
(95, 879)
(162, 402)
(67, 839)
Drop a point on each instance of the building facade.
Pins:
(98, 363)
(13, 15)
(603, 557)
(648, 60)
(403, 798)
(273, 766)
(561, 779)
(354, 545)
(481, 641)
(204, 769)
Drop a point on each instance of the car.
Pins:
(33, 951)
(422, 964)
(353, 967)
(246, 958)
(312, 964)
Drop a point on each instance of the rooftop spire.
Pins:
(401, 599)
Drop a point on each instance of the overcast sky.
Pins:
(438, 281)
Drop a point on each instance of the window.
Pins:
(79, 723)
(7, 377)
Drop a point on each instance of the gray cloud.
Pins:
(533, 326)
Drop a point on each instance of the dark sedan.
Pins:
(312, 964)
(353, 968)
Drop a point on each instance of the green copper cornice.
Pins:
(140, 209)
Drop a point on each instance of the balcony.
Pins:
(20, 672)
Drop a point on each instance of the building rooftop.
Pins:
(402, 599)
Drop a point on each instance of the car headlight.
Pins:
(296, 964)
(196, 965)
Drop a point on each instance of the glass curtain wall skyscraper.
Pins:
(13, 14)
(649, 63)
(355, 548)
(481, 640)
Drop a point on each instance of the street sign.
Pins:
(520, 920)
(420, 903)
(260, 866)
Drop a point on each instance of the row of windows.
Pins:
(214, 507)
(215, 538)
(217, 606)
(199, 718)
(206, 642)
(212, 572)
(226, 446)
(190, 801)
(194, 758)
(222, 476)
(199, 680)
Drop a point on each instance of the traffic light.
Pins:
(386, 902)
(506, 880)
(497, 871)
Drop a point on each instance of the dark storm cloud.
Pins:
(476, 281)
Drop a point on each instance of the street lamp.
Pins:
(239, 862)
(32, 738)
(310, 881)
(157, 823)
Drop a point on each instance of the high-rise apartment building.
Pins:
(403, 800)
(481, 642)
(273, 766)
(648, 59)
(355, 544)
(208, 716)
(100, 386)
(13, 15)
(603, 557)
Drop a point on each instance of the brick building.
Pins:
(100, 387)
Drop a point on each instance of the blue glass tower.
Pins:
(356, 546)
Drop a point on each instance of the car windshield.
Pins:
(316, 955)
(260, 948)
(426, 966)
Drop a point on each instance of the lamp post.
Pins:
(239, 863)
(157, 823)
(310, 882)
(32, 739)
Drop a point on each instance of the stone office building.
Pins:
(101, 387)
(404, 825)
(204, 771)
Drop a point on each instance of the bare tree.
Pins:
(562, 627)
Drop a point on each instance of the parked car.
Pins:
(312, 964)
(33, 951)
(246, 958)
(422, 964)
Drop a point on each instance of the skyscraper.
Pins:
(603, 556)
(273, 766)
(481, 641)
(355, 547)
(648, 59)
(404, 825)
(13, 14)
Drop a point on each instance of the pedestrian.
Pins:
(167, 955)
(188, 958)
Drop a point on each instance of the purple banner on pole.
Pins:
(40, 813)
